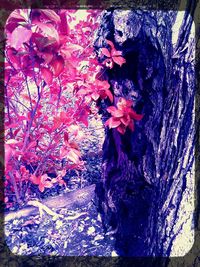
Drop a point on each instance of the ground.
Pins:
(83, 236)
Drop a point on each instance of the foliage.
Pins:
(52, 79)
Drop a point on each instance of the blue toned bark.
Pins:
(148, 174)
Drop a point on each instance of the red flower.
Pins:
(123, 116)
(113, 56)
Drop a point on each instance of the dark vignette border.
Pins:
(192, 258)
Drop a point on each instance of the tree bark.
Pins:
(148, 175)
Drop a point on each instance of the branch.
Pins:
(72, 200)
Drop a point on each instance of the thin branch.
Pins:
(8, 107)
(59, 94)
(15, 186)
(19, 102)
(29, 94)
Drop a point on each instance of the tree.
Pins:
(149, 146)
(148, 173)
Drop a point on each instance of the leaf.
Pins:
(125, 120)
(116, 53)
(22, 118)
(95, 96)
(46, 56)
(105, 52)
(66, 137)
(73, 156)
(82, 92)
(35, 179)
(124, 104)
(57, 65)
(115, 112)
(47, 75)
(19, 36)
(70, 48)
(65, 117)
(121, 129)
(112, 122)
(110, 43)
(75, 146)
(41, 181)
(110, 95)
(119, 60)
(16, 14)
(111, 109)
(13, 57)
(12, 142)
(135, 116)
(12, 125)
(63, 152)
(49, 30)
(50, 14)
(63, 27)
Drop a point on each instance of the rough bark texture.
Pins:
(148, 174)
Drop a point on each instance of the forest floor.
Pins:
(84, 236)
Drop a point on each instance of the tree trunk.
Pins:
(146, 193)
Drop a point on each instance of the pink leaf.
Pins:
(121, 129)
(125, 120)
(64, 28)
(95, 96)
(109, 94)
(135, 116)
(119, 60)
(57, 65)
(105, 52)
(19, 36)
(49, 30)
(50, 14)
(63, 152)
(113, 122)
(73, 156)
(12, 142)
(110, 43)
(66, 137)
(47, 75)
(111, 109)
(12, 125)
(115, 112)
(116, 53)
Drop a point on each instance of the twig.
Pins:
(29, 94)
(15, 187)
(42, 207)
